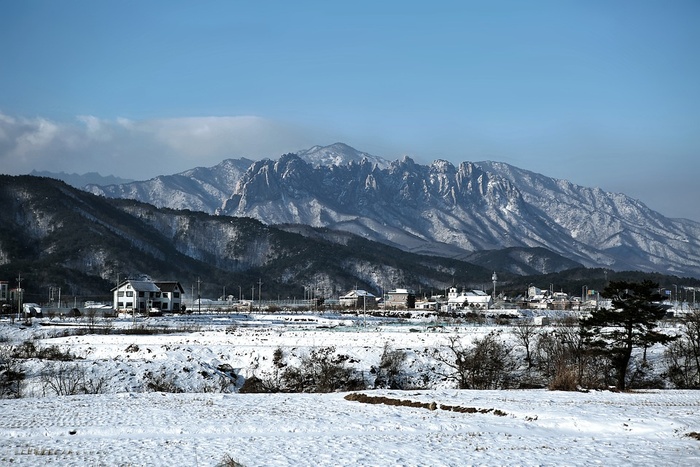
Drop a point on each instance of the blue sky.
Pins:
(602, 93)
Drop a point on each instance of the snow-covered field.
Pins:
(126, 425)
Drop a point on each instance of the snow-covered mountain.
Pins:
(613, 223)
(338, 154)
(199, 189)
(437, 209)
(207, 188)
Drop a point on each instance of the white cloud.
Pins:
(141, 149)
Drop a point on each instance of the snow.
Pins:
(126, 425)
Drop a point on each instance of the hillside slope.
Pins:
(59, 236)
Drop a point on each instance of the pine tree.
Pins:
(629, 324)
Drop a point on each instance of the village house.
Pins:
(147, 295)
(4, 296)
(400, 299)
(358, 299)
(543, 299)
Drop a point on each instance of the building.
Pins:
(16, 297)
(31, 310)
(146, 295)
(5, 305)
(401, 298)
(471, 299)
(542, 299)
(358, 299)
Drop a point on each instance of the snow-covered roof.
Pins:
(401, 291)
(357, 293)
(169, 286)
(144, 286)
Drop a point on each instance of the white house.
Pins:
(477, 299)
(146, 295)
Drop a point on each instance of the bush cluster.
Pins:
(68, 379)
(321, 370)
(12, 374)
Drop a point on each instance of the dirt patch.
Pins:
(365, 399)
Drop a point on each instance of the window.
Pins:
(176, 294)
(130, 293)
(120, 294)
(141, 294)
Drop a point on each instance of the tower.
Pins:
(494, 278)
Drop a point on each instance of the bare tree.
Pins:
(91, 315)
(67, 379)
(488, 364)
(683, 355)
(526, 333)
(565, 363)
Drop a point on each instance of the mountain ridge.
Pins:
(439, 208)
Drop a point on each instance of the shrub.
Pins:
(488, 364)
(255, 385)
(565, 378)
(161, 382)
(562, 356)
(29, 350)
(26, 349)
(64, 379)
(53, 352)
(228, 461)
(11, 374)
(390, 373)
(321, 371)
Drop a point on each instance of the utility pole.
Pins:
(260, 290)
(19, 295)
(115, 298)
(199, 296)
(364, 309)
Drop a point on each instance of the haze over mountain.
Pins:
(438, 208)
(81, 180)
